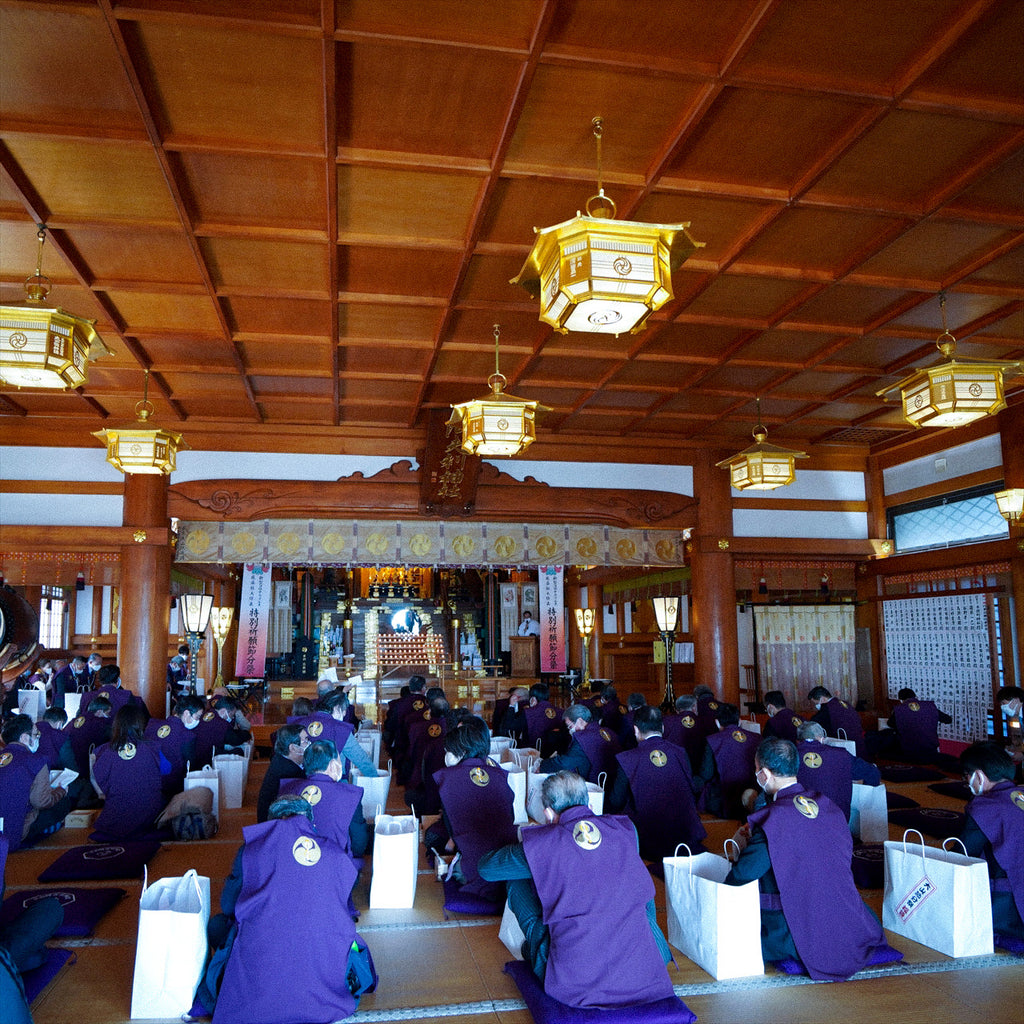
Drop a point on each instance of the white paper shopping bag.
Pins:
(511, 933)
(396, 841)
(231, 768)
(368, 737)
(32, 703)
(534, 804)
(210, 778)
(501, 747)
(717, 926)
(171, 949)
(375, 789)
(517, 781)
(937, 897)
(869, 813)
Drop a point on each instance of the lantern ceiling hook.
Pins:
(37, 287)
(600, 205)
(946, 343)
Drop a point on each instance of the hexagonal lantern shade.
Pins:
(141, 449)
(46, 347)
(497, 424)
(762, 466)
(952, 394)
(599, 275)
(1011, 504)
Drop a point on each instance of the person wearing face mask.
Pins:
(28, 806)
(799, 848)
(592, 749)
(994, 829)
(833, 714)
(1011, 702)
(174, 737)
(289, 748)
(476, 805)
(654, 788)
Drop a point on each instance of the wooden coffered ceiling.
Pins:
(302, 215)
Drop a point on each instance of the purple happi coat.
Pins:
(917, 723)
(539, 719)
(295, 891)
(661, 803)
(130, 781)
(811, 849)
(603, 953)
(333, 804)
(477, 801)
(684, 731)
(18, 770)
(209, 735)
(842, 716)
(601, 747)
(999, 813)
(784, 724)
(734, 749)
(322, 726)
(828, 770)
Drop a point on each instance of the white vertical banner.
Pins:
(253, 621)
(509, 613)
(552, 618)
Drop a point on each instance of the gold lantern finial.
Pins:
(762, 466)
(597, 274)
(43, 346)
(956, 391)
(498, 423)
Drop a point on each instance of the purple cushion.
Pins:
(545, 1010)
(883, 954)
(83, 908)
(956, 790)
(111, 839)
(868, 865)
(1009, 942)
(38, 978)
(897, 801)
(93, 863)
(456, 901)
(909, 773)
(931, 821)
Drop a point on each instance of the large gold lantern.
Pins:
(44, 346)
(762, 466)
(599, 275)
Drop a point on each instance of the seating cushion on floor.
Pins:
(932, 821)
(1008, 942)
(868, 865)
(897, 801)
(83, 908)
(545, 1010)
(108, 839)
(956, 790)
(909, 773)
(458, 902)
(95, 863)
(38, 978)
(883, 954)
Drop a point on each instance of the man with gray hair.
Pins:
(587, 950)
(592, 748)
(831, 770)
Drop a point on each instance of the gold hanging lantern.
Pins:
(762, 466)
(140, 448)
(599, 275)
(956, 391)
(43, 346)
(1011, 504)
(498, 423)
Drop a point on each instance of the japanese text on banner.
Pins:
(253, 621)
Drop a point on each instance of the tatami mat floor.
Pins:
(433, 969)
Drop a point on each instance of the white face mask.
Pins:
(33, 743)
(190, 723)
(450, 760)
(970, 784)
(762, 782)
(1011, 710)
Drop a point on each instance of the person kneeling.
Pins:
(586, 949)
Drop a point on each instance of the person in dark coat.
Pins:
(994, 830)
(586, 949)
(831, 770)
(544, 722)
(477, 814)
(286, 763)
(834, 715)
(728, 770)
(799, 848)
(71, 678)
(592, 749)
(916, 724)
(655, 789)
(175, 739)
(782, 722)
(683, 729)
(107, 683)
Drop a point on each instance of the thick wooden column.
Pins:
(594, 596)
(1011, 433)
(868, 613)
(713, 593)
(145, 592)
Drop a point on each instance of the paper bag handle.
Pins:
(602, 781)
(955, 839)
(725, 849)
(193, 875)
(380, 811)
(844, 736)
(682, 846)
(919, 836)
(145, 881)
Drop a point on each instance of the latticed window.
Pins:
(963, 518)
(53, 611)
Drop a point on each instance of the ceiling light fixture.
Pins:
(1011, 504)
(141, 448)
(599, 275)
(955, 392)
(498, 423)
(762, 466)
(43, 346)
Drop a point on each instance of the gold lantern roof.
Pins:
(1011, 503)
(140, 448)
(45, 346)
(595, 274)
(498, 423)
(762, 466)
(955, 392)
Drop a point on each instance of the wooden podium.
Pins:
(525, 656)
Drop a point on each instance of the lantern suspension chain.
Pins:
(946, 342)
(598, 124)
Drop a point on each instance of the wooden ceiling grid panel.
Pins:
(312, 209)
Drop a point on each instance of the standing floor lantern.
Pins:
(195, 617)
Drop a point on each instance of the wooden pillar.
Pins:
(868, 614)
(597, 637)
(573, 600)
(145, 592)
(96, 629)
(713, 593)
(1011, 434)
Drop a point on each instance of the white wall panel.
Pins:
(785, 523)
